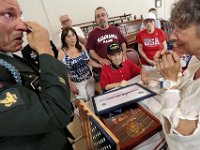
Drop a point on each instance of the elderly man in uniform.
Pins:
(34, 104)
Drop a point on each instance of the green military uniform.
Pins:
(33, 119)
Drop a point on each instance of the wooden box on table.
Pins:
(130, 122)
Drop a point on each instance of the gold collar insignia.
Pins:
(62, 80)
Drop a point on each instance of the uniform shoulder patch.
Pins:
(10, 98)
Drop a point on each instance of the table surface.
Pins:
(151, 104)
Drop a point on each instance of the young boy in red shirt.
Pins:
(118, 72)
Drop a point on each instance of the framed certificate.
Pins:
(119, 98)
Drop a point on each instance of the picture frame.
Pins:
(158, 3)
(133, 126)
(120, 97)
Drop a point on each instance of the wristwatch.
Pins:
(168, 84)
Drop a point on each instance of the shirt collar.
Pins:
(7, 53)
(116, 67)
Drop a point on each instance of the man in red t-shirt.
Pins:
(150, 40)
(102, 36)
(118, 72)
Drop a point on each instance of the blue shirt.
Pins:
(78, 68)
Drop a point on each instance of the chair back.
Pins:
(133, 56)
(97, 134)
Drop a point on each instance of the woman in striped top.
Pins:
(78, 63)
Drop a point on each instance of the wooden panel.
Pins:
(131, 38)
(97, 134)
(130, 29)
(133, 126)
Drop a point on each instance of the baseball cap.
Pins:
(150, 15)
(114, 48)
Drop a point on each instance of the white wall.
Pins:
(168, 5)
(47, 12)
